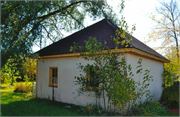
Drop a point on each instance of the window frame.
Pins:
(90, 87)
(50, 77)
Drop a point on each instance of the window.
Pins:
(92, 78)
(53, 76)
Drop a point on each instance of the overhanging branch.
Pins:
(57, 11)
(75, 18)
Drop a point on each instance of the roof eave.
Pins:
(123, 50)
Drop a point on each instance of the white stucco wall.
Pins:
(67, 70)
(156, 70)
(66, 89)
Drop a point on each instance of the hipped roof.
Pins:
(102, 30)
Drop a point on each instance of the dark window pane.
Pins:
(54, 72)
(94, 79)
(54, 80)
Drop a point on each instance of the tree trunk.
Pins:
(104, 101)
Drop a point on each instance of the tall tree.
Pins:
(23, 22)
(171, 70)
(168, 26)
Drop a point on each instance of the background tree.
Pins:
(9, 72)
(18, 70)
(26, 68)
(168, 29)
(30, 68)
(27, 22)
(171, 73)
(168, 26)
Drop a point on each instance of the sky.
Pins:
(135, 12)
(138, 12)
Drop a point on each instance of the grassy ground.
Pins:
(23, 104)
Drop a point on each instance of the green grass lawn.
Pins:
(23, 104)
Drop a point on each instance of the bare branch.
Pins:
(48, 34)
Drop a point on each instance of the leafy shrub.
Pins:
(92, 109)
(19, 80)
(149, 109)
(111, 74)
(24, 88)
(171, 95)
(4, 86)
(176, 82)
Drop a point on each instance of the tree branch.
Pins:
(75, 18)
(4, 16)
(57, 11)
(47, 33)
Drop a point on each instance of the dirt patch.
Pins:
(172, 110)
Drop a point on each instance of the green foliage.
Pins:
(23, 104)
(92, 110)
(167, 19)
(149, 109)
(29, 68)
(23, 26)
(115, 76)
(93, 78)
(171, 70)
(31, 106)
(142, 86)
(3, 86)
(18, 69)
(171, 95)
(9, 72)
(23, 88)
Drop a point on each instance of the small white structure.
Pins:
(57, 66)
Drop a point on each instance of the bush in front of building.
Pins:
(171, 95)
(23, 88)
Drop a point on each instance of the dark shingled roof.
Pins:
(102, 30)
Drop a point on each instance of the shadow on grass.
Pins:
(38, 107)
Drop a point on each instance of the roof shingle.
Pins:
(102, 30)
